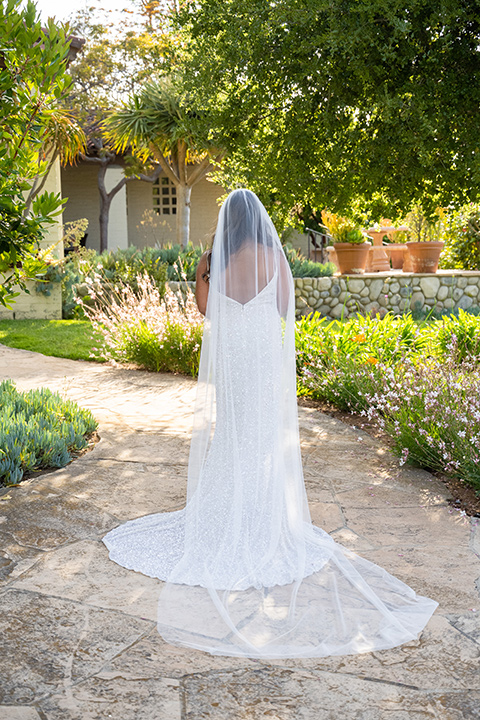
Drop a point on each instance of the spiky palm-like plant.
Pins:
(62, 137)
(156, 123)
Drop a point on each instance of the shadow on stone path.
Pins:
(78, 637)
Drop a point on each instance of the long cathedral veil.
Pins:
(255, 578)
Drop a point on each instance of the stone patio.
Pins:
(78, 636)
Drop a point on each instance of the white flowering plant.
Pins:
(154, 331)
(418, 384)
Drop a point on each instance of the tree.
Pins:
(118, 59)
(33, 84)
(103, 157)
(63, 138)
(355, 103)
(114, 65)
(159, 123)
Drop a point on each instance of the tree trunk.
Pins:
(105, 201)
(104, 213)
(183, 214)
(107, 197)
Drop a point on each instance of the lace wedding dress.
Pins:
(246, 572)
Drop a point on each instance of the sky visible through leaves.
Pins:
(61, 9)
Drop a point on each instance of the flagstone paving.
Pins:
(77, 632)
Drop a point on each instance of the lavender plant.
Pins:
(432, 413)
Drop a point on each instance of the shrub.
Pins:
(432, 413)
(38, 429)
(458, 336)
(461, 234)
(421, 385)
(124, 266)
(361, 338)
(301, 267)
(85, 271)
(158, 333)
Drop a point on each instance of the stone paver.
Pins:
(77, 633)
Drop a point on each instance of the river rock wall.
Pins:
(379, 293)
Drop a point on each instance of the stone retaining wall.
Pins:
(345, 295)
(382, 292)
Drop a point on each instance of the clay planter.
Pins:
(397, 253)
(407, 262)
(351, 258)
(424, 256)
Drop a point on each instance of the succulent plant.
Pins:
(38, 429)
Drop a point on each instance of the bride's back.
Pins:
(248, 272)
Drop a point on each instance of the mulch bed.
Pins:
(460, 496)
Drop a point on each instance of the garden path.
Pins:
(79, 633)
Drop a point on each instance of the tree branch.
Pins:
(199, 172)
(39, 184)
(148, 178)
(106, 160)
(116, 188)
(165, 166)
(174, 163)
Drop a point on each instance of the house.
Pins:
(141, 214)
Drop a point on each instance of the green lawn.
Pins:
(71, 339)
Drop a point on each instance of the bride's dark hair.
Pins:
(243, 223)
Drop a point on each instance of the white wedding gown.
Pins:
(246, 572)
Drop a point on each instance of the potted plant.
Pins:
(397, 248)
(424, 249)
(349, 241)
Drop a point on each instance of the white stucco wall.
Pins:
(134, 217)
(54, 233)
(147, 228)
(79, 185)
(117, 218)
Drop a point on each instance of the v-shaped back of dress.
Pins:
(267, 289)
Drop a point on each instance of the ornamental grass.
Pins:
(157, 332)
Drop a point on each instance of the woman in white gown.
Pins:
(246, 572)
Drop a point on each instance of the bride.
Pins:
(246, 573)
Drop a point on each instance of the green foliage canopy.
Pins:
(359, 102)
(118, 58)
(33, 82)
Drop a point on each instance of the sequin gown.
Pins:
(228, 544)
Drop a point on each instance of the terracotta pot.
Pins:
(407, 261)
(351, 258)
(424, 256)
(397, 252)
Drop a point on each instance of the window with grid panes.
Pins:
(164, 197)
